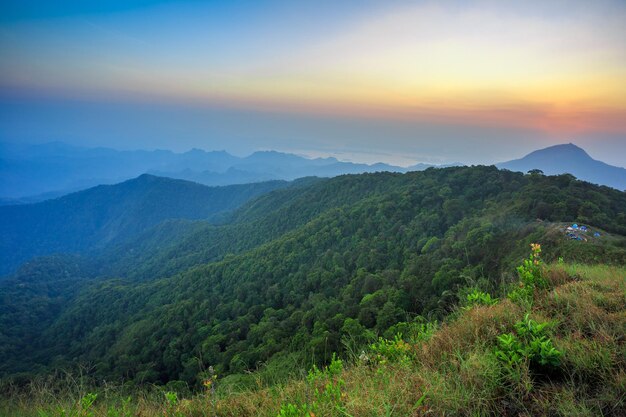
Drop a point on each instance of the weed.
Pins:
(123, 411)
(171, 404)
(328, 391)
(509, 350)
(396, 350)
(86, 404)
(291, 410)
(531, 277)
(477, 297)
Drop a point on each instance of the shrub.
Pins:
(531, 344)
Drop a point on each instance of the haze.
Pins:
(398, 82)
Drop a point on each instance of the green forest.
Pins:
(110, 214)
(295, 275)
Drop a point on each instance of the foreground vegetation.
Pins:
(553, 343)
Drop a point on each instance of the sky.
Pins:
(392, 81)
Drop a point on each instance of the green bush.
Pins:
(531, 344)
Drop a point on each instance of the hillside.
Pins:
(570, 159)
(96, 217)
(558, 351)
(571, 359)
(294, 274)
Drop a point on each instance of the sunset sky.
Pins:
(397, 81)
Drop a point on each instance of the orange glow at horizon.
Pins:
(561, 72)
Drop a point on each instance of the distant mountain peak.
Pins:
(143, 178)
(571, 159)
(195, 151)
(565, 149)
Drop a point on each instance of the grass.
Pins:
(453, 371)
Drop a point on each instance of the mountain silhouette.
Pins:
(570, 159)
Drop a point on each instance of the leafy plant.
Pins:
(335, 368)
(171, 403)
(543, 351)
(529, 328)
(415, 331)
(86, 403)
(330, 393)
(171, 398)
(530, 275)
(477, 297)
(531, 344)
(396, 350)
(509, 350)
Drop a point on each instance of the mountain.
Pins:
(93, 218)
(570, 159)
(295, 274)
(29, 171)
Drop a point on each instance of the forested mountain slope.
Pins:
(101, 215)
(300, 272)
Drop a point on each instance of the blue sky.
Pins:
(477, 82)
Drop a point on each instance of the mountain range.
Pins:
(32, 173)
(93, 218)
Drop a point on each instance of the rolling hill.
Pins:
(96, 217)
